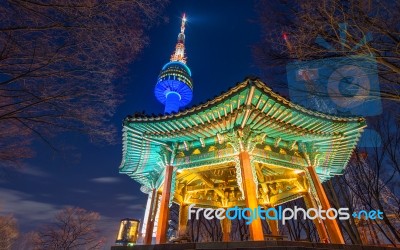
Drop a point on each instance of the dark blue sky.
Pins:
(219, 36)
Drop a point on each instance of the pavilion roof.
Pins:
(250, 103)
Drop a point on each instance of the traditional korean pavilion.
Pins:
(248, 147)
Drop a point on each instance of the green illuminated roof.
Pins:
(249, 104)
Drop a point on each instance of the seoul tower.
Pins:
(174, 87)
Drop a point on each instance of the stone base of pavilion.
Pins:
(244, 245)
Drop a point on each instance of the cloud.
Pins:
(12, 171)
(29, 170)
(137, 207)
(31, 214)
(126, 197)
(106, 180)
(27, 211)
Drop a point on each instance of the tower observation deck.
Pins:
(174, 87)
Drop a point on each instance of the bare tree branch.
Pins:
(58, 64)
(74, 228)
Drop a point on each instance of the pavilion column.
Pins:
(319, 224)
(332, 226)
(151, 214)
(273, 224)
(161, 236)
(226, 229)
(249, 188)
(183, 219)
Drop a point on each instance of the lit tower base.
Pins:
(174, 87)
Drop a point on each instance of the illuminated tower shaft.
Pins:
(174, 87)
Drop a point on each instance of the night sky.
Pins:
(219, 37)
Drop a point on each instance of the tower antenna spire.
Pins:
(174, 87)
(179, 53)
(183, 23)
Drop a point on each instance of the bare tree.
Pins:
(292, 27)
(370, 182)
(194, 231)
(8, 232)
(300, 229)
(26, 241)
(58, 63)
(73, 228)
(210, 230)
(173, 222)
(373, 192)
(240, 230)
(341, 196)
(203, 230)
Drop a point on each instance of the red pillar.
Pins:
(161, 236)
(150, 219)
(332, 226)
(319, 224)
(249, 188)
